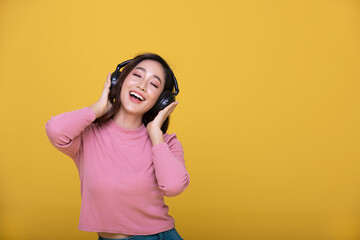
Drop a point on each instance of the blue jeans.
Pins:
(171, 234)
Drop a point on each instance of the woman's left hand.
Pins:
(154, 127)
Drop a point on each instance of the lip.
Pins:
(136, 100)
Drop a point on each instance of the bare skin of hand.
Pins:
(103, 104)
(154, 127)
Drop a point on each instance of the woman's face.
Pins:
(142, 87)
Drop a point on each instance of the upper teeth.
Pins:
(137, 95)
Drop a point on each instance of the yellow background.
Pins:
(268, 115)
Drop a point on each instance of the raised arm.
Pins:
(64, 130)
(168, 156)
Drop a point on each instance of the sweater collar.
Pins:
(129, 132)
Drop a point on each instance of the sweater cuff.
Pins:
(159, 146)
(89, 113)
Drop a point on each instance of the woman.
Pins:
(126, 160)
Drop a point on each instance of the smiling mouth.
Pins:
(136, 96)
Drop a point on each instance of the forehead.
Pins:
(152, 67)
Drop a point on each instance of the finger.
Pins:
(166, 109)
(108, 81)
(163, 114)
(169, 109)
(173, 108)
(109, 105)
(171, 105)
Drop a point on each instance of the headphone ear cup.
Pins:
(114, 78)
(116, 74)
(165, 99)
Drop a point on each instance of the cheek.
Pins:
(157, 92)
(155, 96)
(122, 92)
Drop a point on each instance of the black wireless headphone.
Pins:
(166, 97)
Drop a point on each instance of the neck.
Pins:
(127, 120)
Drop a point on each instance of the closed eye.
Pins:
(154, 85)
(136, 75)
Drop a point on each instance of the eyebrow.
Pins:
(145, 71)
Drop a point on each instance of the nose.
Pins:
(142, 85)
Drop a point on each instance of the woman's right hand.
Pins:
(103, 104)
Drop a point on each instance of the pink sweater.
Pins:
(123, 177)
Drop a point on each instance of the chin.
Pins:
(135, 110)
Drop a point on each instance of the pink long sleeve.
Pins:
(169, 165)
(64, 130)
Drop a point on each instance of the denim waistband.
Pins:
(161, 235)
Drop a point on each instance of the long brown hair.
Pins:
(116, 90)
